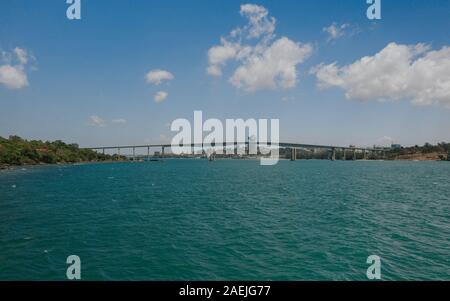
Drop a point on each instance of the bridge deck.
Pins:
(229, 144)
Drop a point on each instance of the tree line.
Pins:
(442, 149)
(18, 151)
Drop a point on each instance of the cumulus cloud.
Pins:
(219, 55)
(160, 96)
(335, 31)
(13, 77)
(21, 55)
(274, 67)
(260, 23)
(263, 62)
(413, 72)
(157, 76)
(95, 120)
(12, 73)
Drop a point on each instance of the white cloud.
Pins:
(214, 70)
(259, 21)
(95, 120)
(275, 67)
(160, 96)
(219, 55)
(335, 31)
(413, 72)
(157, 76)
(263, 63)
(119, 121)
(21, 55)
(14, 76)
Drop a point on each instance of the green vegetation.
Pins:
(427, 152)
(441, 151)
(18, 151)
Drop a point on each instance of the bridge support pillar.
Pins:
(333, 154)
(344, 157)
(134, 154)
(118, 153)
(293, 154)
(162, 151)
(148, 153)
(354, 155)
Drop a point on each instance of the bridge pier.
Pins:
(333, 154)
(231, 149)
(293, 154)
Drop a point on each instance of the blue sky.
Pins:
(97, 66)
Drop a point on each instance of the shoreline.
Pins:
(9, 167)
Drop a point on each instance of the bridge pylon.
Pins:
(293, 154)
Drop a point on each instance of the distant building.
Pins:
(395, 146)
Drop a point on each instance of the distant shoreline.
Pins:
(9, 167)
(16, 152)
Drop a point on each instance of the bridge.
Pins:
(293, 147)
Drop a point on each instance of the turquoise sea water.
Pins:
(226, 220)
